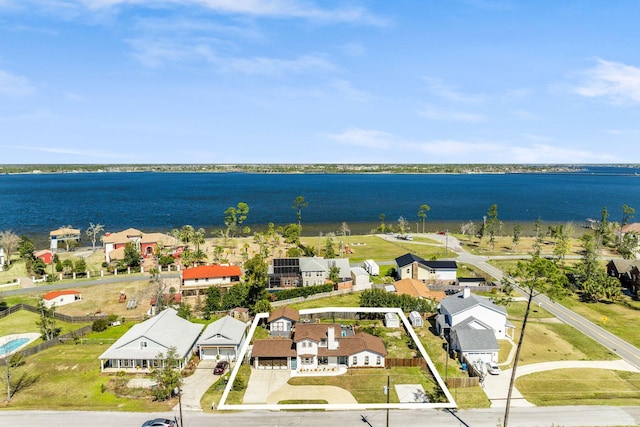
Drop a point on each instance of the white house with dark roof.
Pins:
(138, 348)
(474, 312)
(410, 266)
(222, 339)
(307, 271)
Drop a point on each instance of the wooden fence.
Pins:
(463, 382)
(62, 339)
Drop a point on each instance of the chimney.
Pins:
(332, 344)
(414, 270)
(466, 292)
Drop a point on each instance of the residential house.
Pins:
(476, 346)
(222, 339)
(282, 321)
(138, 349)
(320, 346)
(417, 289)
(360, 278)
(145, 243)
(626, 271)
(472, 311)
(197, 279)
(63, 235)
(45, 255)
(59, 298)
(414, 267)
(308, 271)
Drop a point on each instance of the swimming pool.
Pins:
(12, 345)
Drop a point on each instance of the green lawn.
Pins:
(581, 387)
(347, 300)
(24, 321)
(366, 385)
(70, 379)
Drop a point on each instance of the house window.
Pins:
(366, 360)
(307, 360)
(323, 360)
(143, 344)
(378, 360)
(304, 344)
(354, 360)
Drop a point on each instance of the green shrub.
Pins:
(99, 325)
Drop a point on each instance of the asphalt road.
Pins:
(568, 416)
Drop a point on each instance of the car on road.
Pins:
(161, 422)
(493, 368)
(221, 366)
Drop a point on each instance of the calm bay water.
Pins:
(35, 204)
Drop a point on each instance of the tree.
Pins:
(517, 232)
(211, 301)
(16, 378)
(234, 217)
(422, 214)
(334, 275)
(344, 229)
(256, 278)
(492, 224)
(628, 245)
(198, 238)
(47, 321)
(604, 229)
(80, 265)
(403, 225)
(167, 375)
(184, 234)
(535, 276)
(298, 204)
(184, 311)
(468, 229)
(26, 248)
(262, 306)
(329, 251)
(236, 296)
(93, 231)
(9, 242)
(131, 256)
(627, 214)
(291, 233)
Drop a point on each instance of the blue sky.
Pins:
(288, 81)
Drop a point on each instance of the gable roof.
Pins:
(623, 266)
(286, 312)
(211, 272)
(165, 330)
(477, 340)
(417, 289)
(410, 258)
(358, 343)
(273, 348)
(55, 294)
(457, 303)
(314, 331)
(634, 227)
(224, 331)
(312, 264)
(65, 232)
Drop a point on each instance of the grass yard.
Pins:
(621, 318)
(581, 387)
(348, 300)
(70, 379)
(24, 321)
(367, 385)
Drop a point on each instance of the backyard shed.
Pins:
(416, 319)
(391, 320)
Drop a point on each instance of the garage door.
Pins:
(272, 362)
(208, 353)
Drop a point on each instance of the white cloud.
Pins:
(263, 8)
(71, 151)
(450, 93)
(457, 151)
(451, 116)
(11, 84)
(618, 82)
(353, 49)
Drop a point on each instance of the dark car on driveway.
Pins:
(221, 366)
(161, 422)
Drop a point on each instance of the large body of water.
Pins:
(34, 204)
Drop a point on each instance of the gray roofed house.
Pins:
(306, 271)
(477, 346)
(465, 308)
(410, 266)
(222, 339)
(137, 349)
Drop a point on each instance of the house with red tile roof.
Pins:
(145, 243)
(320, 346)
(45, 255)
(61, 298)
(197, 279)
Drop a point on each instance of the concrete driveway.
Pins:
(194, 386)
(263, 382)
(497, 386)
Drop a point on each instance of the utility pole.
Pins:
(180, 404)
(388, 394)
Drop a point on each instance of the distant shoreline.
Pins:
(349, 168)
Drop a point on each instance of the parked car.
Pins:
(221, 366)
(161, 422)
(493, 369)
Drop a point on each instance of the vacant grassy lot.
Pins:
(348, 300)
(70, 379)
(581, 387)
